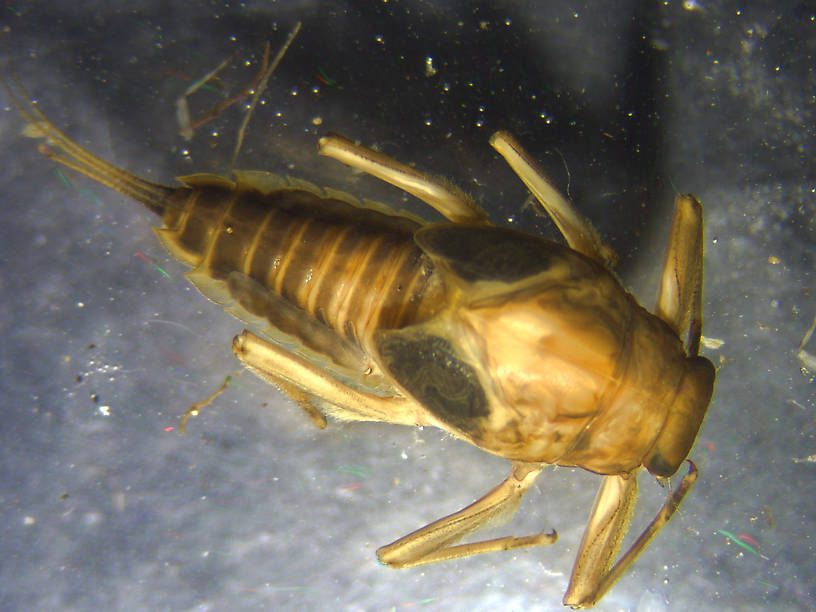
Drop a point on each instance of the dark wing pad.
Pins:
(429, 368)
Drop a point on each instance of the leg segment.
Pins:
(593, 574)
(307, 383)
(679, 298)
(304, 402)
(445, 198)
(433, 542)
(576, 229)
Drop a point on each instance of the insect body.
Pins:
(523, 347)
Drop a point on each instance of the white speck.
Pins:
(29, 520)
(104, 410)
(711, 343)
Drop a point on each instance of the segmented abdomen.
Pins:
(354, 269)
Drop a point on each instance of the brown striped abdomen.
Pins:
(351, 268)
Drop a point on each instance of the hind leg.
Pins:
(448, 200)
(308, 384)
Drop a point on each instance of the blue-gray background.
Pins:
(101, 507)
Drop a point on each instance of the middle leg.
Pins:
(434, 542)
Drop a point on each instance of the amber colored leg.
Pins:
(307, 383)
(303, 401)
(432, 543)
(679, 298)
(579, 233)
(593, 574)
(439, 194)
